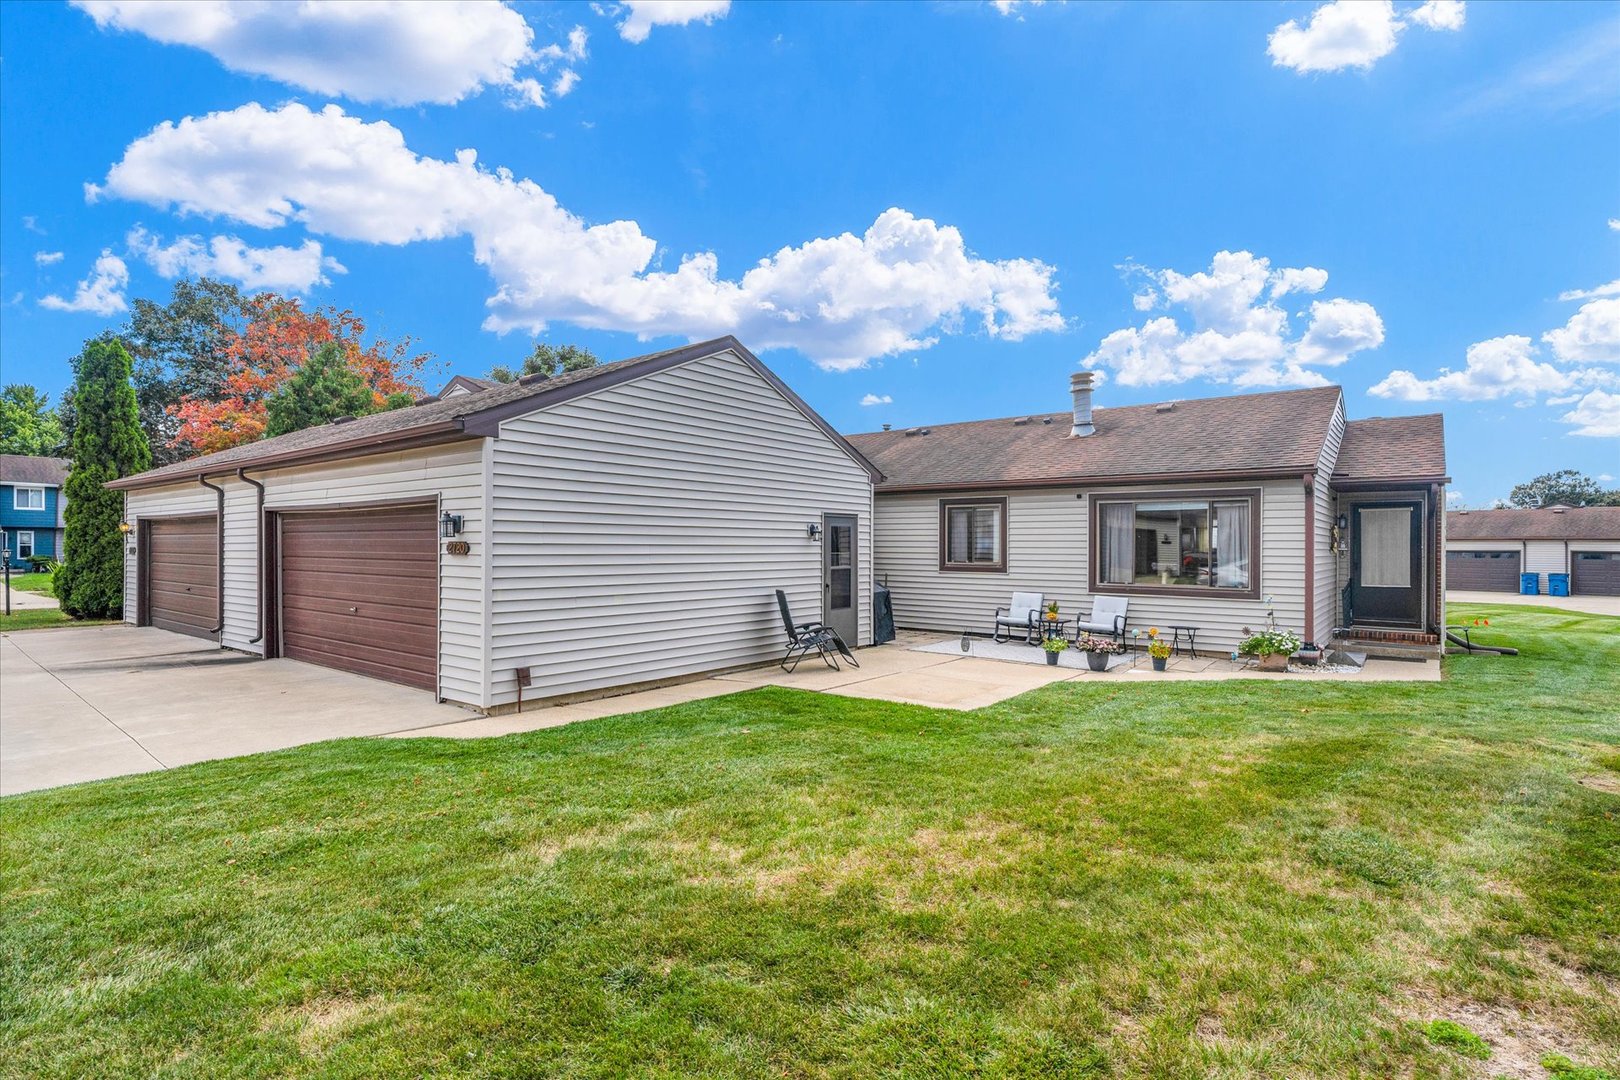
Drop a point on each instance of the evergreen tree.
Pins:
(547, 360)
(108, 444)
(324, 388)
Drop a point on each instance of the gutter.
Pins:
(219, 560)
(426, 435)
(258, 560)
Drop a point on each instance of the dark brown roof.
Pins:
(1399, 448)
(470, 383)
(448, 419)
(46, 471)
(1247, 435)
(1572, 523)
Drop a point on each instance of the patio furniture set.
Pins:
(1037, 620)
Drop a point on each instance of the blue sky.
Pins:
(956, 205)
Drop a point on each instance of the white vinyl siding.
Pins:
(1325, 587)
(640, 531)
(1546, 557)
(1046, 553)
(452, 474)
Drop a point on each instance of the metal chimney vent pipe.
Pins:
(1080, 387)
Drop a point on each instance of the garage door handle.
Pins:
(354, 611)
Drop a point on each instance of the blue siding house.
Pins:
(31, 507)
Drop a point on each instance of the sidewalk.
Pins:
(27, 601)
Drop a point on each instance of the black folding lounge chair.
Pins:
(811, 637)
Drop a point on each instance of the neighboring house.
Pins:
(1196, 511)
(465, 384)
(31, 506)
(620, 525)
(1487, 550)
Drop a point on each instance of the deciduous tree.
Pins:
(1566, 487)
(278, 337)
(28, 424)
(108, 443)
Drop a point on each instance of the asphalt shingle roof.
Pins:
(1260, 434)
(22, 469)
(1393, 448)
(1572, 523)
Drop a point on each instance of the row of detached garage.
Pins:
(621, 525)
(1488, 550)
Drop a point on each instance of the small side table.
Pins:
(1190, 633)
(1050, 628)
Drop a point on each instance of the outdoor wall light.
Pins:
(124, 526)
(449, 525)
(1342, 522)
(813, 530)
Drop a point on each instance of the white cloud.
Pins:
(1440, 15)
(1598, 415)
(876, 399)
(292, 269)
(646, 14)
(1592, 334)
(1010, 7)
(840, 300)
(392, 52)
(1236, 330)
(1354, 33)
(1614, 224)
(1575, 76)
(47, 258)
(1500, 367)
(32, 224)
(101, 293)
(1611, 289)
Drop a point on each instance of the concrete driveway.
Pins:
(86, 703)
(1591, 605)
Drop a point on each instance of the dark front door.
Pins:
(359, 591)
(1386, 565)
(838, 581)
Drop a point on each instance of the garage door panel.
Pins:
(359, 591)
(1482, 571)
(182, 575)
(1594, 573)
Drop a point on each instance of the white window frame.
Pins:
(29, 541)
(17, 494)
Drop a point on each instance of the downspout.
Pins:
(1310, 559)
(258, 559)
(219, 562)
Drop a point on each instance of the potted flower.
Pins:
(1098, 650)
(1158, 649)
(1054, 646)
(1272, 647)
(1052, 609)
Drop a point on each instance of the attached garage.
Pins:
(358, 590)
(180, 582)
(1483, 571)
(601, 529)
(1594, 573)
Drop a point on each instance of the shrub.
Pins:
(1271, 643)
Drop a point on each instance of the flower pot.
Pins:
(1097, 660)
(1051, 658)
(1159, 662)
(1274, 662)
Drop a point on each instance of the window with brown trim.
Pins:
(1193, 543)
(973, 535)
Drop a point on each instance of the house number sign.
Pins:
(458, 547)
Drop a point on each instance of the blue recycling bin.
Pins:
(1529, 584)
(1557, 584)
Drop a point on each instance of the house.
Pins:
(31, 506)
(1196, 511)
(617, 526)
(1487, 550)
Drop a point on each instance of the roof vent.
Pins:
(430, 399)
(1046, 419)
(1559, 509)
(1020, 421)
(916, 431)
(1165, 406)
(885, 427)
(1080, 384)
(530, 380)
(342, 419)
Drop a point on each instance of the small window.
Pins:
(28, 498)
(973, 534)
(25, 544)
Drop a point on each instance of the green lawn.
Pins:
(1238, 879)
(44, 618)
(34, 583)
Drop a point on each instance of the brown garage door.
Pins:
(1482, 571)
(359, 591)
(1594, 573)
(182, 575)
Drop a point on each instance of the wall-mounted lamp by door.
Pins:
(449, 525)
(813, 530)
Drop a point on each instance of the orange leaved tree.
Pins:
(277, 337)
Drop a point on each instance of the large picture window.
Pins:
(973, 534)
(1177, 543)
